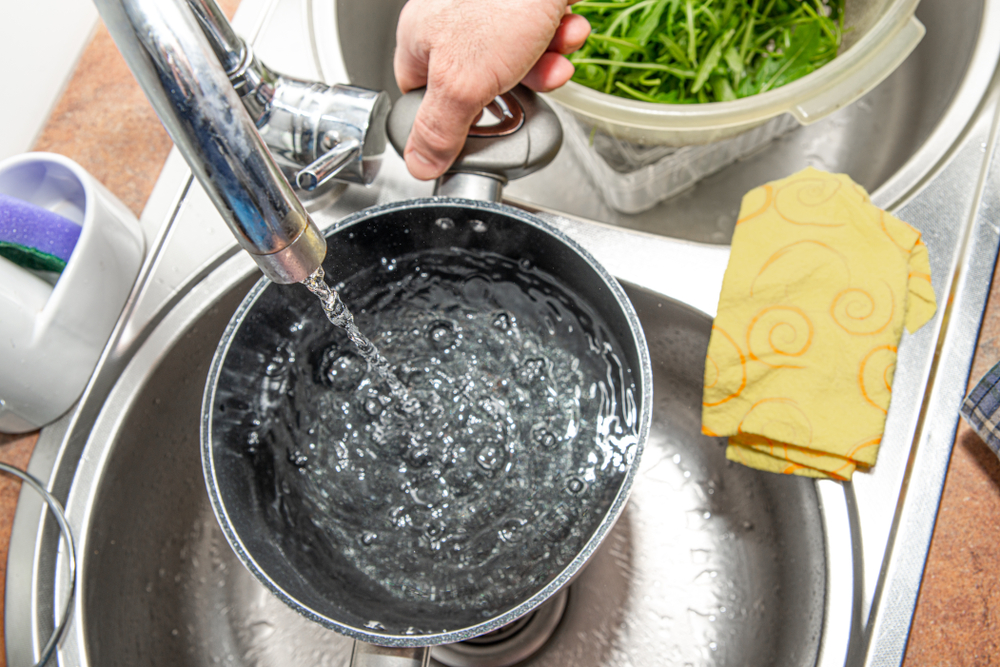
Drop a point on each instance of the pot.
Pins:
(432, 535)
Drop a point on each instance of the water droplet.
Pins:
(374, 625)
(276, 367)
(368, 538)
(530, 373)
(342, 371)
(510, 530)
(489, 457)
(442, 334)
(541, 436)
(557, 523)
(444, 223)
(478, 226)
(373, 406)
(525, 264)
(297, 458)
(747, 525)
(502, 321)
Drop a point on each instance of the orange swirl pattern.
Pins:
(782, 418)
(756, 202)
(723, 365)
(875, 376)
(778, 334)
(810, 201)
(784, 266)
(860, 312)
(799, 369)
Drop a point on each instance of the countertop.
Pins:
(103, 122)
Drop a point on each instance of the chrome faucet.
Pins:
(246, 131)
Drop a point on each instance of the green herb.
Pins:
(684, 51)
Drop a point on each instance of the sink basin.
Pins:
(711, 564)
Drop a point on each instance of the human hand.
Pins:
(466, 52)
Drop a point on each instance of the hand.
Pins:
(466, 52)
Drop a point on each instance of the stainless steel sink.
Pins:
(711, 564)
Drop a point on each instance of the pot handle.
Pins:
(526, 139)
(369, 655)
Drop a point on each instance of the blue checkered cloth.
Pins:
(981, 408)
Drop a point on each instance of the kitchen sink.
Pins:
(710, 564)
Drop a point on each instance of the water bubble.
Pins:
(374, 625)
(444, 223)
(502, 321)
(341, 370)
(489, 457)
(575, 485)
(531, 372)
(525, 264)
(276, 367)
(297, 458)
(557, 523)
(478, 226)
(541, 436)
(368, 538)
(747, 525)
(442, 334)
(372, 406)
(510, 530)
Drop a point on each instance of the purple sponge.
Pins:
(34, 237)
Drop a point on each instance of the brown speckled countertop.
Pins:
(103, 122)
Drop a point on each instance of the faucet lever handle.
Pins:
(329, 164)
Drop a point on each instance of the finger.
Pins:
(439, 131)
(570, 35)
(411, 72)
(409, 61)
(550, 72)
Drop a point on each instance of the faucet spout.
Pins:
(181, 74)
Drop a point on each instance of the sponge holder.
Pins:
(53, 334)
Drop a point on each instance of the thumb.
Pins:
(441, 127)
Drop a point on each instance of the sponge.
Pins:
(34, 237)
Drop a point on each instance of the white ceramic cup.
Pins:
(53, 335)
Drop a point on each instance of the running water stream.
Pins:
(339, 315)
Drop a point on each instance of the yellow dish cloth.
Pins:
(818, 288)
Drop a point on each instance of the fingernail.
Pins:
(419, 157)
(421, 166)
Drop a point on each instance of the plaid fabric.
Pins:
(981, 408)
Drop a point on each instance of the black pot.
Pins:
(252, 456)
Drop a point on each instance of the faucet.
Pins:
(246, 131)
